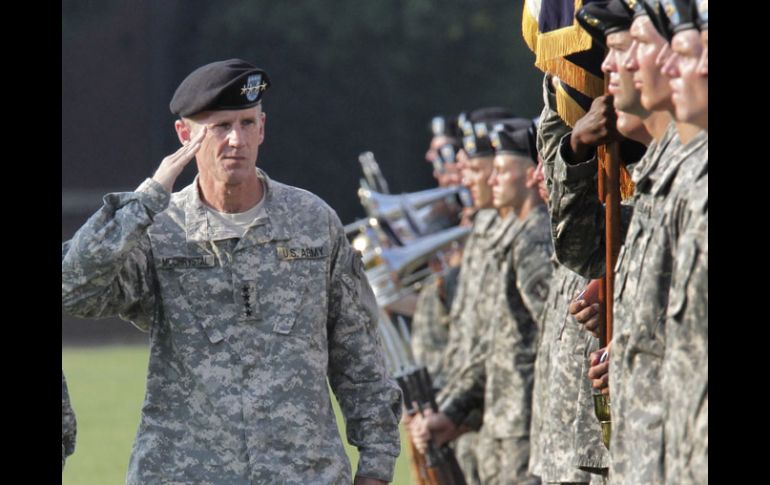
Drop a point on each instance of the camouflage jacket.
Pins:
(244, 335)
(642, 285)
(471, 304)
(471, 370)
(565, 433)
(430, 325)
(504, 386)
(560, 402)
(68, 423)
(590, 454)
(461, 328)
(642, 282)
(685, 363)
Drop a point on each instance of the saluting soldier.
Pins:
(253, 299)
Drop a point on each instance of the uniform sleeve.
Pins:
(550, 132)
(534, 271)
(369, 398)
(577, 216)
(465, 392)
(107, 266)
(457, 329)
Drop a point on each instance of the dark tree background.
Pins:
(348, 76)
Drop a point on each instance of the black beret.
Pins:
(675, 16)
(513, 124)
(445, 126)
(476, 127)
(464, 123)
(490, 114)
(639, 7)
(600, 19)
(448, 153)
(477, 144)
(515, 138)
(702, 14)
(224, 85)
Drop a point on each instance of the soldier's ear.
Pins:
(532, 177)
(263, 120)
(183, 131)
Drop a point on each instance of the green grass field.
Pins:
(106, 386)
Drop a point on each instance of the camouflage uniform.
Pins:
(430, 325)
(641, 288)
(560, 384)
(685, 364)
(590, 453)
(68, 423)
(502, 384)
(465, 331)
(244, 334)
(639, 403)
(462, 331)
(565, 433)
(478, 315)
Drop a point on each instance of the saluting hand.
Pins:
(172, 165)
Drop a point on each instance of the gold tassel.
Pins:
(569, 110)
(576, 77)
(551, 47)
(529, 28)
(627, 186)
(562, 42)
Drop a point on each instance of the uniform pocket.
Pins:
(205, 298)
(294, 298)
(685, 263)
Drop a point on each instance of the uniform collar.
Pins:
(271, 226)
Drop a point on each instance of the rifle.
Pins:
(441, 466)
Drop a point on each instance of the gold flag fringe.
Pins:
(551, 47)
(578, 78)
(569, 110)
(529, 28)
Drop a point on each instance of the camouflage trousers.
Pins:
(505, 461)
(467, 453)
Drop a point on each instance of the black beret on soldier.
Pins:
(224, 85)
(675, 16)
(445, 126)
(515, 138)
(603, 18)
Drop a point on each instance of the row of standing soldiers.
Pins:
(511, 338)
